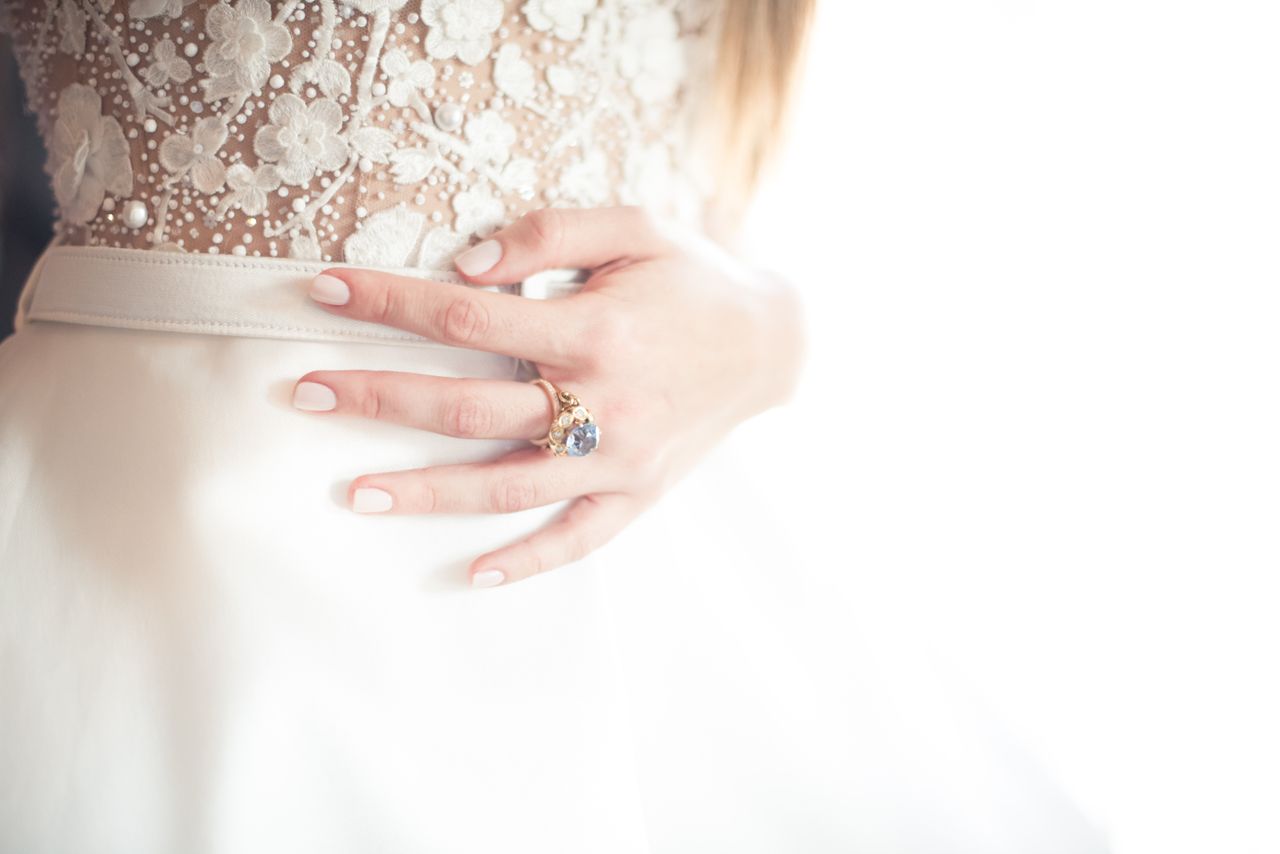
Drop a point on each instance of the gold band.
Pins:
(573, 431)
(554, 394)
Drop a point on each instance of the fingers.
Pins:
(467, 408)
(543, 331)
(561, 237)
(586, 525)
(530, 477)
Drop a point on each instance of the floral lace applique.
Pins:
(88, 154)
(381, 132)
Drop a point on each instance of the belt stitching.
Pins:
(218, 261)
(46, 314)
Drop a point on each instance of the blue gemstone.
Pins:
(582, 440)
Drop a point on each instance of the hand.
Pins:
(670, 344)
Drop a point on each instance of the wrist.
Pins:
(781, 343)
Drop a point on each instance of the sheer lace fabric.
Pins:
(378, 132)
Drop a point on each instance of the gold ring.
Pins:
(573, 431)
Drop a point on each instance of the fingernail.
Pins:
(370, 500)
(314, 397)
(488, 578)
(479, 258)
(330, 290)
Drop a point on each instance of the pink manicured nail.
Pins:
(330, 290)
(370, 500)
(488, 578)
(479, 258)
(314, 397)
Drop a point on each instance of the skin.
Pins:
(671, 343)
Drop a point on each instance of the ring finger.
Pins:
(463, 407)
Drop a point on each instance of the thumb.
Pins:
(561, 237)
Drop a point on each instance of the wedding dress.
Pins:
(202, 649)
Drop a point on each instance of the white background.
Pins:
(1040, 423)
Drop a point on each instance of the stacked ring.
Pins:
(573, 431)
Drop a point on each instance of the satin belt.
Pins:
(219, 294)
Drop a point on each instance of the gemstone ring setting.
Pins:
(573, 431)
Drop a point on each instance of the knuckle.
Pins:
(387, 305)
(463, 320)
(514, 493)
(370, 403)
(536, 561)
(426, 497)
(546, 226)
(470, 416)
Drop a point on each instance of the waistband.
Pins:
(218, 294)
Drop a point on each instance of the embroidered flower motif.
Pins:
(330, 76)
(145, 101)
(304, 246)
(71, 22)
(439, 247)
(385, 239)
(455, 160)
(511, 74)
(302, 139)
(89, 155)
(372, 145)
(650, 55)
(490, 136)
(519, 176)
(406, 78)
(563, 79)
(249, 187)
(151, 8)
(562, 17)
(166, 65)
(585, 182)
(370, 6)
(197, 154)
(244, 41)
(461, 28)
(477, 212)
(413, 165)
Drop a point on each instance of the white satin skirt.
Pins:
(202, 649)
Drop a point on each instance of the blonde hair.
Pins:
(760, 46)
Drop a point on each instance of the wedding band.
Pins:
(573, 431)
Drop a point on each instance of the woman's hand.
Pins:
(670, 344)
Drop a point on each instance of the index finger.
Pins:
(543, 331)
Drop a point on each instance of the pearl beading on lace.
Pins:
(135, 214)
(382, 132)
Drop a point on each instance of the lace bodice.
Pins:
(377, 132)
